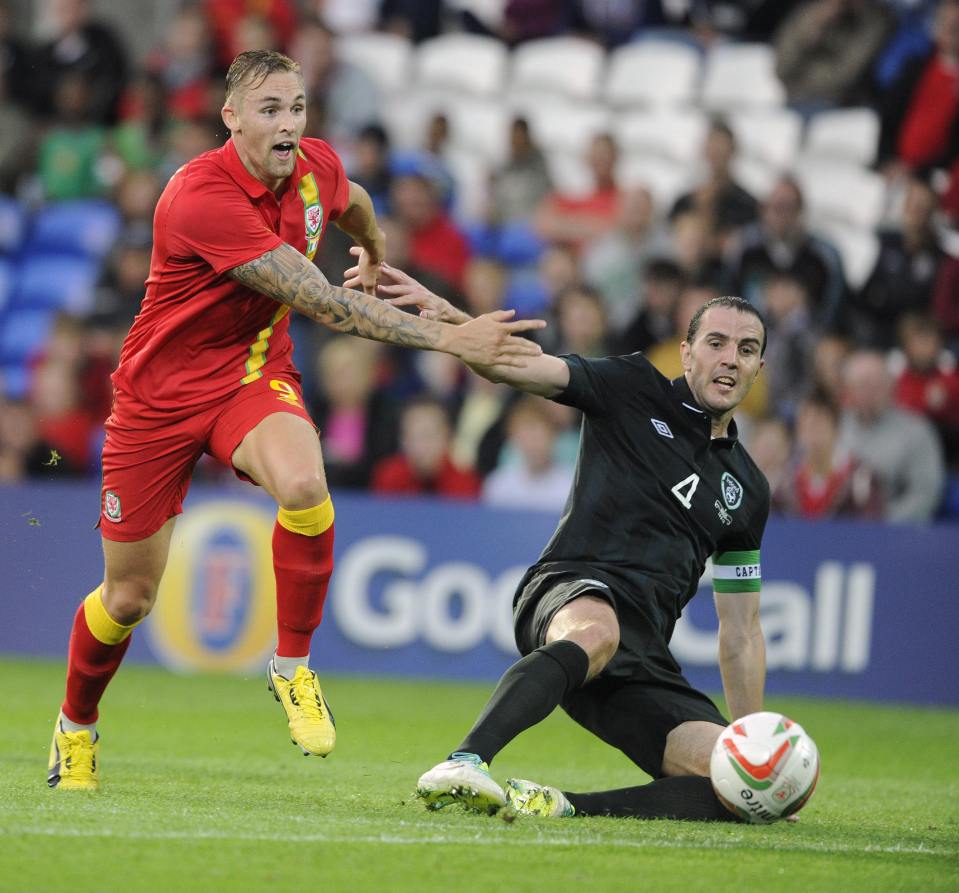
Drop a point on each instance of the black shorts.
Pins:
(641, 695)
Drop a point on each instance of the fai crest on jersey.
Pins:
(732, 491)
(111, 505)
(662, 429)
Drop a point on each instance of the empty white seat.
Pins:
(471, 174)
(482, 127)
(665, 179)
(771, 135)
(846, 134)
(386, 58)
(653, 72)
(561, 126)
(676, 134)
(755, 176)
(741, 75)
(842, 192)
(858, 248)
(407, 115)
(466, 62)
(569, 66)
(570, 174)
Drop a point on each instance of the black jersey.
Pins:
(654, 494)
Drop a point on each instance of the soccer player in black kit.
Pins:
(662, 483)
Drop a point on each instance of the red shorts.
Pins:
(147, 466)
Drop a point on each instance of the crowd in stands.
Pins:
(612, 218)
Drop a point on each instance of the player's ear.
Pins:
(686, 355)
(228, 114)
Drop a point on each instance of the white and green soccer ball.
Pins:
(764, 767)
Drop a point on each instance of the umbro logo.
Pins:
(662, 428)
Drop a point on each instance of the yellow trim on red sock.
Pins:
(103, 627)
(308, 522)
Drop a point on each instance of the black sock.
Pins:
(677, 797)
(528, 692)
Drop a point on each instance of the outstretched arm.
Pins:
(742, 651)
(543, 375)
(289, 278)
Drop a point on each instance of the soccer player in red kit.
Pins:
(207, 368)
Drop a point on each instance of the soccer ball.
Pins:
(764, 767)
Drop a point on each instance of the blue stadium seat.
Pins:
(24, 333)
(481, 236)
(56, 281)
(7, 279)
(526, 294)
(15, 381)
(517, 244)
(13, 224)
(950, 501)
(86, 227)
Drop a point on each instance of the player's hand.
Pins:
(365, 275)
(493, 340)
(402, 290)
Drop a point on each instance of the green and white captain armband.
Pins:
(737, 572)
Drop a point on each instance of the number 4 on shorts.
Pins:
(686, 496)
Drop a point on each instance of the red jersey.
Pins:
(200, 335)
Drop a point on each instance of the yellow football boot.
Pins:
(74, 764)
(312, 727)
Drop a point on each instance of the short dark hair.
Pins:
(733, 303)
(821, 399)
(662, 269)
(257, 66)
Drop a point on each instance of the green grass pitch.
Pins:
(202, 791)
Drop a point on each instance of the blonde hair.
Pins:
(255, 66)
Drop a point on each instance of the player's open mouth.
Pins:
(724, 382)
(283, 151)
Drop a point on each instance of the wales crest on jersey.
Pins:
(732, 491)
(312, 211)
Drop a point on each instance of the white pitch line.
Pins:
(486, 840)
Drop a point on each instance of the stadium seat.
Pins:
(526, 294)
(570, 174)
(741, 75)
(653, 73)
(671, 133)
(482, 127)
(7, 280)
(844, 134)
(569, 66)
(85, 227)
(386, 58)
(562, 126)
(463, 62)
(14, 379)
(665, 179)
(471, 176)
(407, 114)
(857, 247)
(841, 192)
(771, 135)
(56, 282)
(24, 333)
(950, 500)
(13, 224)
(518, 244)
(755, 176)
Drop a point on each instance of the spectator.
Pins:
(901, 447)
(779, 242)
(17, 136)
(436, 244)
(825, 51)
(122, 283)
(226, 16)
(577, 220)
(903, 278)
(692, 245)
(920, 111)
(62, 421)
(614, 262)
(719, 198)
(518, 187)
(829, 357)
(371, 165)
(415, 19)
(929, 383)
(183, 63)
(69, 160)
(663, 283)
(80, 47)
(348, 99)
(14, 58)
(536, 480)
(945, 301)
(139, 141)
(580, 322)
(826, 482)
(23, 451)
(357, 421)
(790, 343)
(423, 465)
(770, 444)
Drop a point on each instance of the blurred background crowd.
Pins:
(606, 165)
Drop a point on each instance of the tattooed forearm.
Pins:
(288, 277)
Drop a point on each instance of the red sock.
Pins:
(302, 563)
(91, 662)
